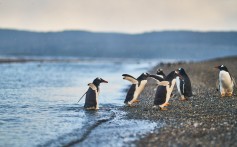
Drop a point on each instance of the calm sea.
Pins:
(38, 101)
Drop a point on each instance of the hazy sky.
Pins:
(132, 16)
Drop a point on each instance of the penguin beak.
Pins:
(177, 72)
(104, 81)
(217, 67)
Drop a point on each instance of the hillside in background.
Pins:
(165, 44)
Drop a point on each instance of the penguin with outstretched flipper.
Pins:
(138, 85)
(91, 102)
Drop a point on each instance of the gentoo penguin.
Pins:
(160, 73)
(226, 81)
(138, 85)
(184, 85)
(92, 94)
(165, 89)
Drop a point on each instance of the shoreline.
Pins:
(26, 60)
(204, 120)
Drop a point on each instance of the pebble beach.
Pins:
(205, 119)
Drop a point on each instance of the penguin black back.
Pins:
(130, 93)
(143, 76)
(91, 101)
(90, 98)
(163, 92)
(138, 84)
(171, 76)
(160, 95)
(185, 84)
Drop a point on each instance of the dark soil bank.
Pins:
(206, 119)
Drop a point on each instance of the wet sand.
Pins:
(205, 119)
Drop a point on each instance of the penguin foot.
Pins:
(183, 99)
(222, 94)
(136, 101)
(166, 104)
(163, 109)
(130, 104)
(229, 94)
(91, 108)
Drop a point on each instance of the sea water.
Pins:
(38, 100)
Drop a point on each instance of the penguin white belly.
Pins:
(169, 90)
(161, 76)
(139, 89)
(178, 84)
(225, 81)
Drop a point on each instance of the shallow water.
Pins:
(38, 101)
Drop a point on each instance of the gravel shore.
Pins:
(205, 119)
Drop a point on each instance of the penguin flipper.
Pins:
(217, 85)
(182, 87)
(92, 86)
(233, 79)
(130, 78)
(130, 93)
(163, 83)
(157, 78)
(90, 100)
(160, 96)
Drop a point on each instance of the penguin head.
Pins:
(98, 80)
(159, 71)
(143, 76)
(181, 71)
(172, 75)
(222, 67)
(178, 74)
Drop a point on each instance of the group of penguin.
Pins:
(165, 85)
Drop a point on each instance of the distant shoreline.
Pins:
(25, 60)
(163, 61)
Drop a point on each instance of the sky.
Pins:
(127, 16)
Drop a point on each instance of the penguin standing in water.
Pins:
(184, 85)
(164, 90)
(226, 82)
(138, 85)
(91, 102)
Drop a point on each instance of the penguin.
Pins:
(164, 90)
(91, 101)
(138, 85)
(225, 82)
(184, 85)
(160, 73)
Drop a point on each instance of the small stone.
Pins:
(195, 125)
